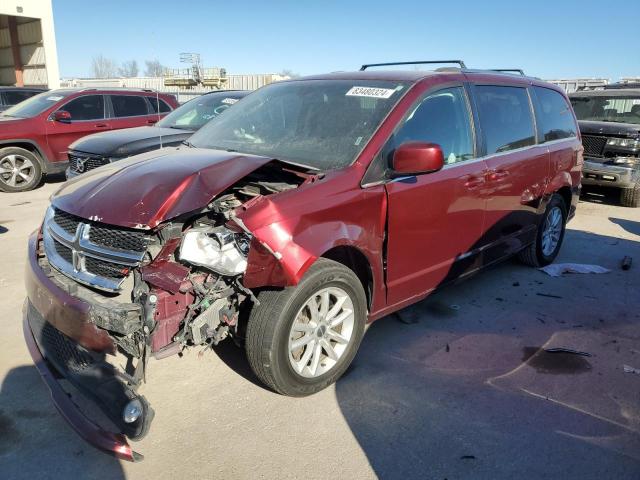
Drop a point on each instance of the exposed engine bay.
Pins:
(187, 288)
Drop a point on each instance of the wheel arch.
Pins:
(353, 258)
(29, 145)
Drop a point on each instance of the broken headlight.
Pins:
(216, 248)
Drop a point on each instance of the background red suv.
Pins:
(35, 134)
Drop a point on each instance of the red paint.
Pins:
(417, 157)
(51, 138)
(171, 309)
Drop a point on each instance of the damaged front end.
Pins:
(105, 299)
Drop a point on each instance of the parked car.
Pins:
(312, 207)
(609, 120)
(35, 134)
(10, 96)
(99, 149)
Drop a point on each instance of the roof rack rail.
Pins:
(422, 62)
(519, 71)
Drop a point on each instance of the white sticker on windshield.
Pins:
(55, 98)
(229, 101)
(370, 92)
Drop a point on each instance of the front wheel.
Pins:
(549, 235)
(20, 170)
(302, 339)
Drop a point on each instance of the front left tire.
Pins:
(302, 339)
(20, 170)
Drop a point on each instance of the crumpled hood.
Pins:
(129, 141)
(147, 189)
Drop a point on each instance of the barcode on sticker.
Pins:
(229, 101)
(370, 92)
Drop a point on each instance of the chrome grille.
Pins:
(98, 255)
(83, 162)
(593, 145)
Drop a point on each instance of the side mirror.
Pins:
(414, 158)
(62, 116)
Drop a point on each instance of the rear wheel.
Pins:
(630, 197)
(549, 235)
(301, 340)
(20, 170)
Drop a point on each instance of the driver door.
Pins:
(87, 116)
(435, 220)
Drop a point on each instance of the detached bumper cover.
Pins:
(69, 352)
(106, 441)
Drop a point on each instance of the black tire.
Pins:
(11, 155)
(630, 197)
(533, 255)
(270, 322)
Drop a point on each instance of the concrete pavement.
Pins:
(460, 388)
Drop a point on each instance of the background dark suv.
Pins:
(609, 121)
(10, 96)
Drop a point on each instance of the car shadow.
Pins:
(236, 359)
(630, 226)
(602, 195)
(35, 441)
(419, 400)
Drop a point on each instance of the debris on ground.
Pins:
(550, 295)
(515, 284)
(447, 348)
(626, 262)
(454, 307)
(566, 350)
(557, 269)
(468, 457)
(629, 369)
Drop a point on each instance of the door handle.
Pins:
(473, 181)
(100, 125)
(151, 122)
(497, 175)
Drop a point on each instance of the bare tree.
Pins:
(129, 69)
(153, 68)
(289, 73)
(104, 67)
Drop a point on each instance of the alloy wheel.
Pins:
(16, 170)
(552, 231)
(321, 332)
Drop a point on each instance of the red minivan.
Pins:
(35, 134)
(311, 208)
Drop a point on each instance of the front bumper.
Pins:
(598, 173)
(69, 352)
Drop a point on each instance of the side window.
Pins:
(555, 120)
(128, 105)
(443, 118)
(15, 97)
(87, 107)
(505, 116)
(158, 103)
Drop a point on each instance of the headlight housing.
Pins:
(623, 142)
(628, 161)
(216, 248)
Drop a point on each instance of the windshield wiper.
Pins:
(187, 143)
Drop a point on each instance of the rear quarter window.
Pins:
(553, 114)
(159, 105)
(129, 105)
(505, 117)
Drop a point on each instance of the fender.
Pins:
(46, 164)
(284, 249)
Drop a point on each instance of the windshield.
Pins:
(195, 113)
(322, 124)
(37, 104)
(608, 109)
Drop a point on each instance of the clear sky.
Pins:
(548, 39)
